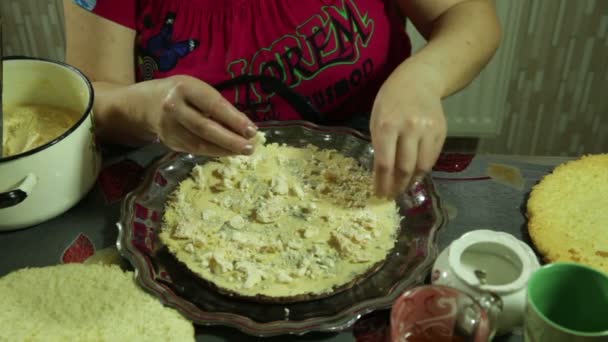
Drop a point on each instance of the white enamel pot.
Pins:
(42, 183)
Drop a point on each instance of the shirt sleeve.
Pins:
(119, 11)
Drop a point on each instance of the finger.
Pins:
(211, 131)
(384, 141)
(210, 102)
(405, 162)
(191, 143)
(428, 152)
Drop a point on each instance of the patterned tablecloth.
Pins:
(481, 191)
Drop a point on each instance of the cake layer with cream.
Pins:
(283, 223)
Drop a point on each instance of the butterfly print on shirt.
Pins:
(161, 52)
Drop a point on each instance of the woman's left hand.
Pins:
(408, 127)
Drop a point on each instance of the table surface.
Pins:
(473, 200)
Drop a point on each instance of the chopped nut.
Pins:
(207, 215)
(218, 263)
(366, 219)
(252, 275)
(309, 208)
(183, 230)
(279, 186)
(342, 244)
(226, 172)
(269, 211)
(244, 184)
(237, 222)
(294, 244)
(199, 177)
(308, 232)
(189, 247)
(226, 202)
(297, 191)
(283, 277)
(198, 242)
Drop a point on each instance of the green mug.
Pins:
(566, 302)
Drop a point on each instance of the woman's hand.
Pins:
(188, 115)
(408, 127)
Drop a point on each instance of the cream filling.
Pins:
(284, 222)
(28, 127)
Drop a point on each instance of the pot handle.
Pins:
(14, 197)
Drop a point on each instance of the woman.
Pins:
(154, 64)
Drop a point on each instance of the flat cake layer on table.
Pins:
(78, 302)
(568, 213)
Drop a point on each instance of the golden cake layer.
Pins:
(568, 213)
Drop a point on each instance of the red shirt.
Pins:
(335, 53)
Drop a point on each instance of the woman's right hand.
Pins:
(188, 115)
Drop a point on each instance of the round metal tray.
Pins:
(158, 272)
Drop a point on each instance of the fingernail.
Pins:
(248, 149)
(250, 132)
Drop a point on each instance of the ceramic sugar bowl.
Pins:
(483, 261)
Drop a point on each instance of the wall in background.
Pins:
(556, 102)
(33, 28)
(557, 99)
(479, 109)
